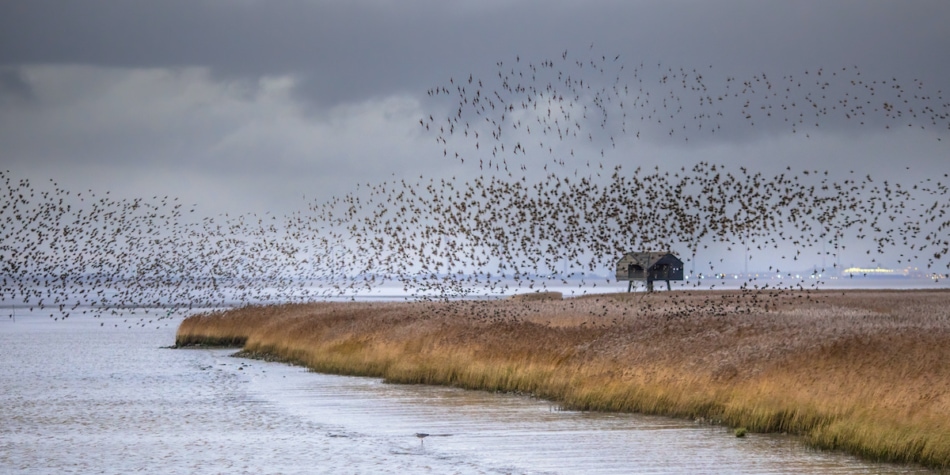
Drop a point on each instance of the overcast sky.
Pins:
(253, 106)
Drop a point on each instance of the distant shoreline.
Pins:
(396, 293)
(863, 371)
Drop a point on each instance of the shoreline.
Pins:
(863, 371)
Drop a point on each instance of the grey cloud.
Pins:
(352, 51)
(14, 87)
(348, 50)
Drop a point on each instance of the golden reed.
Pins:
(867, 372)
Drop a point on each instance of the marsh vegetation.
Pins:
(867, 372)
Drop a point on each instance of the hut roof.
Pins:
(645, 259)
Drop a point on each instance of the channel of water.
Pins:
(102, 395)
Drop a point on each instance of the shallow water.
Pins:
(80, 397)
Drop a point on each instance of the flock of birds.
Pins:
(576, 110)
(518, 221)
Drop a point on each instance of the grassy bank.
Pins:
(867, 372)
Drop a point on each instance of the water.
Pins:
(86, 396)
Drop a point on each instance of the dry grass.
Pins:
(867, 372)
(537, 296)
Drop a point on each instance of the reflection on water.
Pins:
(79, 397)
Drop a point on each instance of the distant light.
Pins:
(877, 270)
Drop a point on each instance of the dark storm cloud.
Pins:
(152, 83)
(248, 105)
(348, 50)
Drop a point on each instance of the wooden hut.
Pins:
(649, 266)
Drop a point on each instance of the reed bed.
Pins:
(867, 372)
